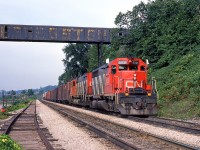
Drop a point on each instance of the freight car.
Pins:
(118, 86)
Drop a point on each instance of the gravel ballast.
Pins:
(193, 140)
(69, 134)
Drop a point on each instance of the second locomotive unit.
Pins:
(118, 86)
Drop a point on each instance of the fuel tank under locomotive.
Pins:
(101, 104)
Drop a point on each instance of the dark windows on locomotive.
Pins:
(133, 67)
(74, 83)
(113, 69)
(123, 67)
(142, 68)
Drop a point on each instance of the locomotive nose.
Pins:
(140, 104)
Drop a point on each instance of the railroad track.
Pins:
(24, 129)
(183, 126)
(123, 136)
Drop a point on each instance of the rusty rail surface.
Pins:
(101, 133)
(169, 142)
(24, 129)
(183, 126)
(8, 129)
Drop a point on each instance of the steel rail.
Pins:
(8, 129)
(169, 125)
(170, 119)
(101, 133)
(41, 134)
(175, 120)
(163, 139)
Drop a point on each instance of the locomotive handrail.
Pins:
(116, 96)
(118, 81)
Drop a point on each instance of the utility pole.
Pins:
(12, 99)
(3, 98)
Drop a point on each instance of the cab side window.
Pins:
(142, 68)
(113, 69)
(74, 83)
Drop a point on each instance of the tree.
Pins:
(23, 92)
(13, 92)
(30, 92)
(75, 62)
(82, 58)
(160, 30)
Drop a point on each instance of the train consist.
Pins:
(118, 86)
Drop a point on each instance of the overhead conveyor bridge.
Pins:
(64, 34)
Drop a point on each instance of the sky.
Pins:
(26, 65)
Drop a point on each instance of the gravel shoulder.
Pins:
(193, 140)
(69, 134)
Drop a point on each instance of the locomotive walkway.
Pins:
(121, 135)
(25, 130)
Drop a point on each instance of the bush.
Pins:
(6, 143)
(178, 87)
(17, 105)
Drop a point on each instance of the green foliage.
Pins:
(179, 86)
(160, 31)
(17, 105)
(167, 33)
(82, 58)
(93, 58)
(107, 52)
(75, 62)
(12, 92)
(6, 143)
(3, 116)
(30, 92)
(23, 92)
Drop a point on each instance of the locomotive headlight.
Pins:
(126, 94)
(134, 75)
(149, 94)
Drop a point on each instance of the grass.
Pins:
(16, 106)
(179, 87)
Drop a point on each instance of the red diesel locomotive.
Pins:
(118, 86)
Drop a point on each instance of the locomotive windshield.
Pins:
(133, 67)
(142, 68)
(123, 67)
